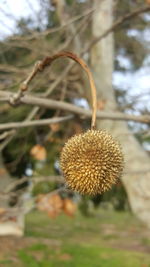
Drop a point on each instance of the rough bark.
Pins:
(136, 184)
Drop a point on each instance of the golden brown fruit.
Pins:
(91, 162)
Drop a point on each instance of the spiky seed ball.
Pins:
(91, 162)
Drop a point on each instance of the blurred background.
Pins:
(42, 222)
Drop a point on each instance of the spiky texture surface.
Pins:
(91, 162)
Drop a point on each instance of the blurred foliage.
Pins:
(116, 198)
(43, 188)
(133, 47)
(84, 206)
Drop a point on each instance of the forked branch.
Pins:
(47, 61)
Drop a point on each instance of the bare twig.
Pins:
(6, 134)
(24, 86)
(38, 179)
(53, 104)
(16, 125)
(47, 61)
(116, 25)
(6, 141)
(35, 109)
(9, 68)
(49, 31)
(59, 179)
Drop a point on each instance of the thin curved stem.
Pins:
(40, 66)
(48, 61)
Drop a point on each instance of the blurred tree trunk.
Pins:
(11, 219)
(137, 184)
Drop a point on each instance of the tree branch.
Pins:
(37, 34)
(53, 104)
(47, 61)
(38, 179)
(116, 25)
(22, 124)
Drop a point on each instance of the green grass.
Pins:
(73, 227)
(73, 242)
(79, 255)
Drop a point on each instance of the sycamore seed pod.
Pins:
(91, 162)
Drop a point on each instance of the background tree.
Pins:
(137, 186)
